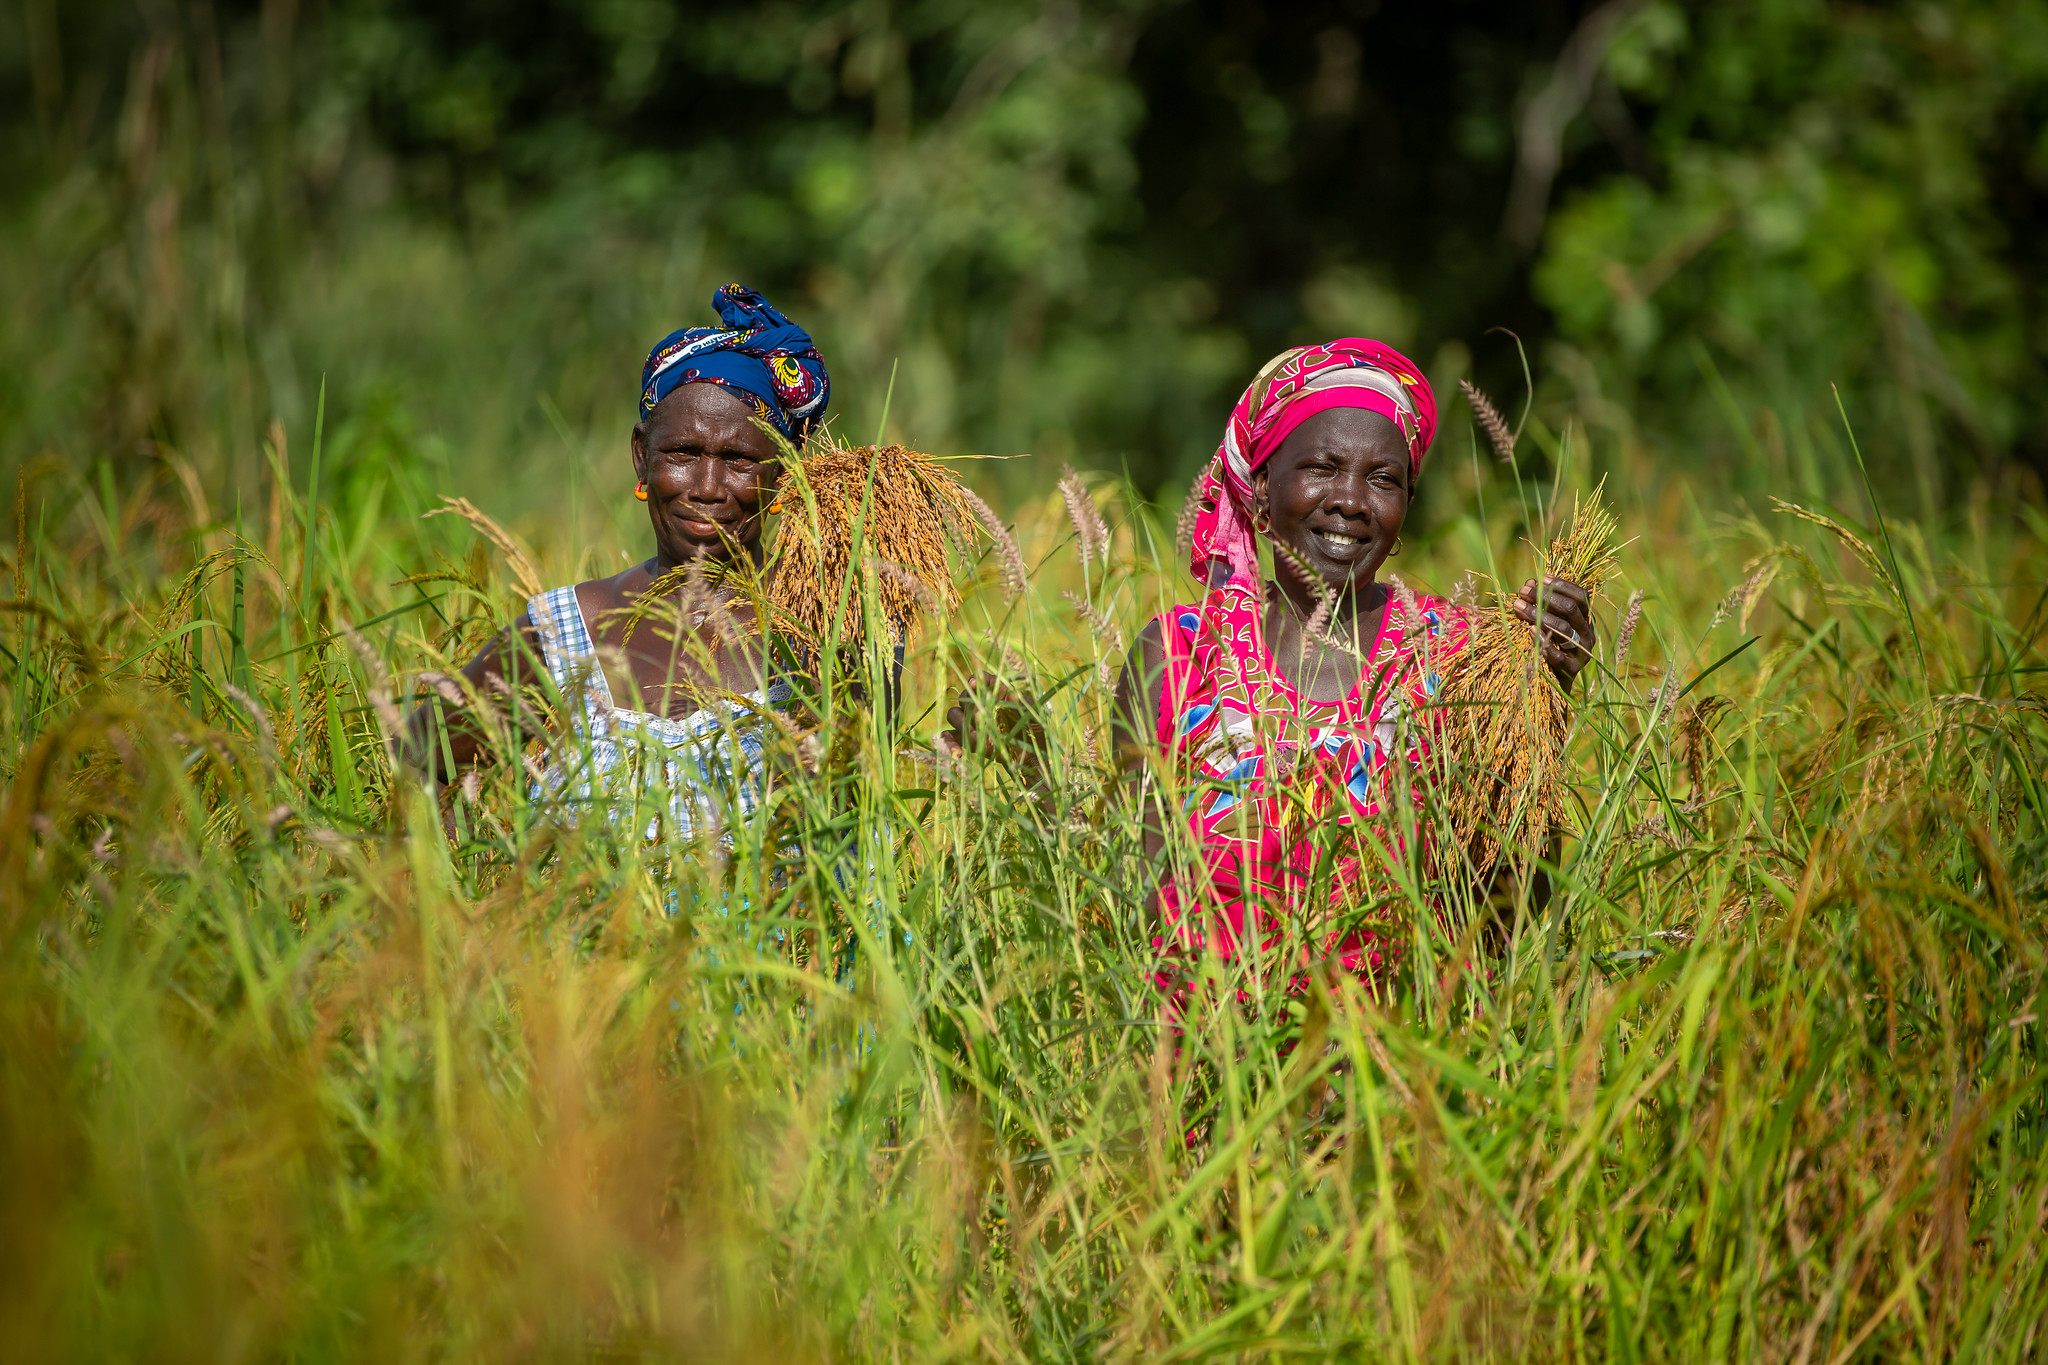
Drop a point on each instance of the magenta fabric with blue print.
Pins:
(1247, 742)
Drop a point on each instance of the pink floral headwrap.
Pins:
(1351, 372)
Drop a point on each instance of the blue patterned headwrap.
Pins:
(759, 356)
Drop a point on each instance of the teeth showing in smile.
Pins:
(1335, 543)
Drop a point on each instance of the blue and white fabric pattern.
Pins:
(708, 764)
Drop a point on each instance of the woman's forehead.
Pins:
(707, 411)
(1357, 433)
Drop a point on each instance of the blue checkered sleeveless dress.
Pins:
(706, 767)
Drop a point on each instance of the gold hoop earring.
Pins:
(640, 490)
(1397, 548)
(1262, 521)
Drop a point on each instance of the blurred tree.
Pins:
(1826, 193)
(1068, 228)
(1079, 227)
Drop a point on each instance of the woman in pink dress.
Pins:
(1289, 715)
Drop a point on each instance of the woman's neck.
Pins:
(1326, 664)
(1354, 603)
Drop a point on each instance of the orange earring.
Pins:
(640, 490)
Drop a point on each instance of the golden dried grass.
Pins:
(1503, 719)
(901, 506)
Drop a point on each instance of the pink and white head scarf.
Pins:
(1351, 372)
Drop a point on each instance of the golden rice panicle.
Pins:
(912, 505)
(1504, 720)
(1586, 553)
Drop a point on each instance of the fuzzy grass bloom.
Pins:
(1010, 571)
(1625, 638)
(1107, 635)
(1190, 511)
(1490, 421)
(1089, 527)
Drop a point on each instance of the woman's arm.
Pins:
(1134, 727)
(440, 730)
(1134, 724)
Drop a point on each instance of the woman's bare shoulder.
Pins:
(607, 594)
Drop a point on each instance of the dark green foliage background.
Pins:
(1070, 229)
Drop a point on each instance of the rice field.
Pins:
(303, 1063)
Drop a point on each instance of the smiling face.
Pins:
(1337, 490)
(707, 468)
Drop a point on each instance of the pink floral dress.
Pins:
(1282, 791)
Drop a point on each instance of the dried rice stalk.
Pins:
(524, 575)
(912, 507)
(1502, 717)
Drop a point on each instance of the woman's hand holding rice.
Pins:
(1568, 633)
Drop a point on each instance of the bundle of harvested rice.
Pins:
(903, 506)
(1502, 718)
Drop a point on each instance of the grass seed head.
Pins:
(1190, 510)
(1010, 571)
(1088, 523)
(1319, 620)
(1490, 420)
(1625, 638)
(1104, 630)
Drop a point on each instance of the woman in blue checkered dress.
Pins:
(667, 704)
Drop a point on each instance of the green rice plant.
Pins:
(301, 1060)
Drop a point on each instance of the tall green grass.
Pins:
(299, 1065)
